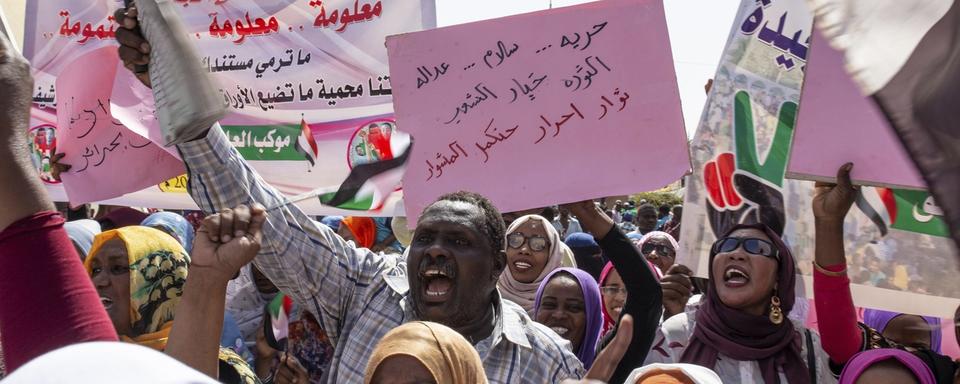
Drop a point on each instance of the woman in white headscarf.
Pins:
(534, 249)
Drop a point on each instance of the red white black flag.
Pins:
(905, 54)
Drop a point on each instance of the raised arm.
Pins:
(644, 297)
(305, 259)
(48, 300)
(195, 337)
(839, 334)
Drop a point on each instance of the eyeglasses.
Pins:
(536, 243)
(751, 245)
(662, 249)
(609, 290)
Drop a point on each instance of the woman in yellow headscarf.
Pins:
(139, 273)
(422, 351)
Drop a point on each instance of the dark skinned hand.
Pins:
(291, 371)
(223, 259)
(609, 358)
(134, 48)
(831, 202)
(677, 289)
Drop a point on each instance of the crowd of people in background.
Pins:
(238, 293)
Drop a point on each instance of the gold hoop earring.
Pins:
(776, 315)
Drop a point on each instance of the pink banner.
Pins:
(105, 155)
(837, 124)
(583, 105)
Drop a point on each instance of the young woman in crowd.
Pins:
(644, 300)
(741, 329)
(534, 250)
(659, 248)
(424, 352)
(843, 336)
(568, 301)
(140, 273)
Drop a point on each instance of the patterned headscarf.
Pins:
(443, 351)
(174, 224)
(158, 270)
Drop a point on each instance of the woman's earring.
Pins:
(776, 315)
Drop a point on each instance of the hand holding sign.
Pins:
(17, 84)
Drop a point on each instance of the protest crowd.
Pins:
(251, 289)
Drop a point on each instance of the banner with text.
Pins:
(740, 154)
(281, 66)
(513, 112)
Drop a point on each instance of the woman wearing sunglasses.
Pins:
(659, 248)
(741, 329)
(534, 249)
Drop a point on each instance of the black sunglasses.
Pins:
(751, 245)
(537, 243)
(662, 249)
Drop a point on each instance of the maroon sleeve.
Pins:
(48, 298)
(840, 336)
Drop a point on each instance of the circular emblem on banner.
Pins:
(43, 141)
(372, 142)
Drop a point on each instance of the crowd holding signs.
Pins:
(820, 193)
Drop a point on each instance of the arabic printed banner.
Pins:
(510, 112)
(277, 63)
(740, 154)
(105, 155)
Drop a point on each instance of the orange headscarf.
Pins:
(363, 229)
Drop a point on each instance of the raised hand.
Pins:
(134, 49)
(609, 358)
(677, 289)
(833, 201)
(227, 241)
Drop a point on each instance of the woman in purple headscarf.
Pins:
(880, 366)
(741, 329)
(920, 332)
(568, 302)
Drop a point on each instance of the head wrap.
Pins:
(524, 293)
(878, 319)
(587, 253)
(447, 356)
(364, 229)
(158, 269)
(591, 300)
(747, 337)
(863, 360)
(673, 373)
(173, 224)
(82, 232)
(122, 217)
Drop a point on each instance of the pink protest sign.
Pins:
(105, 155)
(837, 124)
(542, 108)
